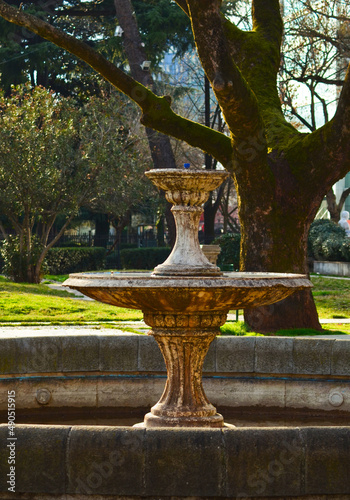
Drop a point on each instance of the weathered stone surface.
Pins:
(39, 354)
(340, 364)
(312, 355)
(327, 460)
(183, 402)
(209, 364)
(64, 393)
(190, 464)
(60, 462)
(245, 393)
(132, 392)
(235, 354)
(118, 353)
(264, 462)
(80, 353)
(40, 459)
(193, 294)
(105, 461)
(150, 357)
(318, 395)
(274, 355)
(9, 360)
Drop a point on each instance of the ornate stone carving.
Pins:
(187, 190)
(198, 320)
(184, 402)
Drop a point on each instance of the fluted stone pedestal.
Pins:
(184, 341)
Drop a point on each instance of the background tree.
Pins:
(281, 175)
(114, 144)
(316, 52)
(41, 176)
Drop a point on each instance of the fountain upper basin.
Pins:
(187, 294)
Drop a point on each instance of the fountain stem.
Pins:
(187, 258)
(184, 402)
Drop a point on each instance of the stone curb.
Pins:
(179, 463)
(139, 353)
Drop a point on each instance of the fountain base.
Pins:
(215, 421)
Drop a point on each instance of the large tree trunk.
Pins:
(275, 228)
(335, 208)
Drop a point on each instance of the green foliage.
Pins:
(327, 241)
(42, 173)
(239, 329)
(72, 260)
(19, 259)
(117, 149)
(164, 27)
(112, 259)
(230, 249)
(345, 250)
(25, 56)
(143, 258)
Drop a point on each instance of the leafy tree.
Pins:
(115, 145)
(281, 175)
(41, 175)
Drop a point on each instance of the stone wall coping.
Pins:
(277, 462)
(106, 352)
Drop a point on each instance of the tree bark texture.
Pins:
(281, 175)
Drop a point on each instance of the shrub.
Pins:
(72, 260)
(69, 244)
(143, 258)
(345, 250)
(230, 250)
(326, 240)
(1, 258)
(19, 263)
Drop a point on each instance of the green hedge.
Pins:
(62, 260)
(230, 250)
(327, 241)
(143, 258)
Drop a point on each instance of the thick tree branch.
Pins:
(183, 5)
(157, 113)
(343, 197)
(3, 231)
(237, 101)
(267, 19)
(342, 115)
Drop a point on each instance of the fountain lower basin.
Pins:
(187, 295)
(185, 315)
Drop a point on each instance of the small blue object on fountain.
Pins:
(187, 165)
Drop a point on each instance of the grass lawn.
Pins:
(30, 304)
(332, 297)
(240, 329)
(22, 303)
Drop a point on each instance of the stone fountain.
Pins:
(186, 300)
